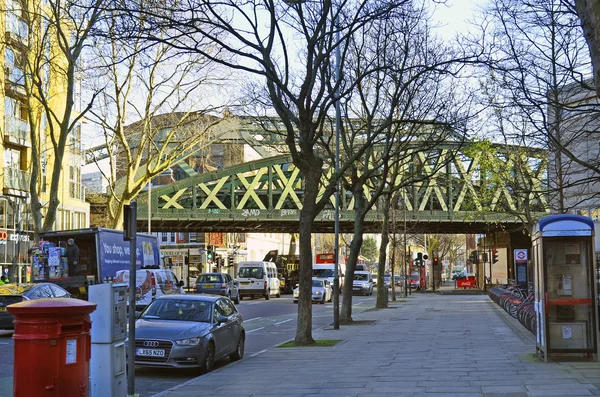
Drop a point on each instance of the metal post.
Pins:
(336, 246)
(149, 207)
(132, 278)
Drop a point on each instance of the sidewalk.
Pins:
(429, 345)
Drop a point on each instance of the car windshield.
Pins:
(178, 310)
(209, 278)
(317, 283)
(414, 276)
(250, 272)
(322, 273)
(361, 277)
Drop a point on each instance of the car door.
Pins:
(225, 330)
(232, 286)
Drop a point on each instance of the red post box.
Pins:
(52, 347)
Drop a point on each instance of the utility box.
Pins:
(109, 329)
(52, 347)
(565, 287)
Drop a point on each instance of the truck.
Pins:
(324, 268)
(102, 253)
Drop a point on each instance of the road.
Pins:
(267, 324)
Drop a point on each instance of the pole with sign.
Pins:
(521, 258)
(130, 234)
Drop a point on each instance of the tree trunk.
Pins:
(355, 246)
(385, 238)
(589, 14)
(57, 173)
(312, 177)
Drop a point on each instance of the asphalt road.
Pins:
(267, 323)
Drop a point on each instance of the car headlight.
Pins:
(188, 342)
(317, 292)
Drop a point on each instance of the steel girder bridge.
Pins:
(266, 196)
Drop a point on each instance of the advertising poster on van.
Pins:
(114, 252)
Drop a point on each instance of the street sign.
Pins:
(521, 255)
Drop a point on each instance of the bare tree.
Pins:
(534, 90)
(407, 105)
(162, 92)
(289, 46)
(57, 33)
(589, 14)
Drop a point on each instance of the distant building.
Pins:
(574, 150)
(94, 182)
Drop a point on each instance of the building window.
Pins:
(75, 187)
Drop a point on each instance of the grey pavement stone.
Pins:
(428, 346)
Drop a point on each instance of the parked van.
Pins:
(150, 284)
(326, 271)
(258, 278)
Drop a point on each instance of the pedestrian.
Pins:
(72, 257)
(4, 280)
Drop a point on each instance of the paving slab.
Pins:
(431, 345)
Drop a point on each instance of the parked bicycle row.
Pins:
(518, 302)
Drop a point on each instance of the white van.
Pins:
(150, 284)
(326, 271)
(258, 278)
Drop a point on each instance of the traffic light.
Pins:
(475, 257)
(436, 261)
(230, 260)
(419, 260)
(210, 252)
(484, 257)
(494, 255)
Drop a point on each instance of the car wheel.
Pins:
(239, 351)
(237, 299)
(295, 301)
(268, 295)
(278, 294)
(209, 358)
(323, 301)
(240, 297)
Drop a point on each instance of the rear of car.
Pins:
(217, 284)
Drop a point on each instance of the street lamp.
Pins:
(336, 246)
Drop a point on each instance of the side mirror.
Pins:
(235, 282)
(221, 319)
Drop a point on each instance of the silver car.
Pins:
(218, 284)
(189, 331)
(321, 291)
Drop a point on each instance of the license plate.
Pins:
(2, 309)
(150, 352)
(245, 283)
(208, 286)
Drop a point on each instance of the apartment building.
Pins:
(16, 223)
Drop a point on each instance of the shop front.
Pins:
(14, 257)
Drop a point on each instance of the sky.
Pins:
(452, 18)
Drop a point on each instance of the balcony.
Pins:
(14, 81)
(17, 31)
(16, 132)
(16, 182)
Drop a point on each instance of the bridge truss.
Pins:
(266, 196)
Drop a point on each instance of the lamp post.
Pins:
(336, 245)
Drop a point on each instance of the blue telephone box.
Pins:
(565, 287)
